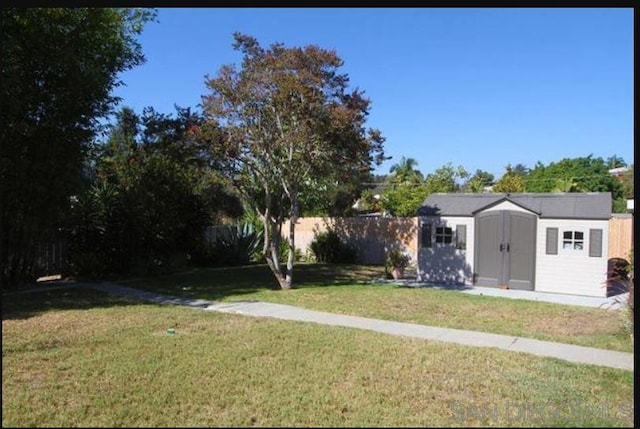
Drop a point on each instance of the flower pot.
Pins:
(397, 273)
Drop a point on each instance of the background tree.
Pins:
(405, 199)
(405, 171)
(155, 191)
(615, 161)
(291, 126)
(446, 178)
(584, 174)
(478, 182)
(338, 196)
(59, 67)
(626, 182)
(511, 182)
(566, 185)
(520, 169)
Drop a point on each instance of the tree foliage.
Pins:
(405, 171)
(584, 174)
(405, 199)
(446, 178)
(478, 182)
(337, 198)
(59, 67)
(292, 129)
(627, 183)
(511, 182)
(154, 192)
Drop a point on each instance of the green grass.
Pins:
(346, 289)
(80, 358)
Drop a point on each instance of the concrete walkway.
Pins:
(612, 302)
(572, 353)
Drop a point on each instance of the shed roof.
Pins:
(591, 205)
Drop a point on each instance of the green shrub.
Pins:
(243, 246)
(397, 259)
(329, 248)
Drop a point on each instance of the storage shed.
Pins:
(551, 242)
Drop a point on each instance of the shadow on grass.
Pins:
(200, 283)
(28, 303)
(218, 283)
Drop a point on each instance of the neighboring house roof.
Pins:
(618, 170)
(376, 191)
(591, 205)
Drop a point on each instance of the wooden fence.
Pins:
(620, 236)
(52, 257)
(212, 234)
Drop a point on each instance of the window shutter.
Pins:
(595, 243)
(461, 237)
(552, 241)
(426, 235)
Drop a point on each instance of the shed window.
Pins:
(461, 237)
(552, 241)
(444, 234)
(425, 236)
(573, 240)
(595, 243)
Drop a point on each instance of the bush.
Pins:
(328, 248)
(138, 224)
(242, 246)
(620, 279)
(397, 259)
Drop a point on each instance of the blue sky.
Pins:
(480, 88)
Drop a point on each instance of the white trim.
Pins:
(508, 205)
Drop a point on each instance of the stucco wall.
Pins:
(371, 236)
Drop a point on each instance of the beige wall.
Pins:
(372, 236)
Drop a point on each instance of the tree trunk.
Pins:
(271, 246)
(292, 239)
(273, 260)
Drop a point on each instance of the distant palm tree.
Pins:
(567, 185)
(405, 171)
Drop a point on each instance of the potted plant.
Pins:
(396, 262)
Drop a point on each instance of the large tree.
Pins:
(292, 128)
(59, 67)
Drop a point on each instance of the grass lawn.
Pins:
(346, 289)
(80, 358)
